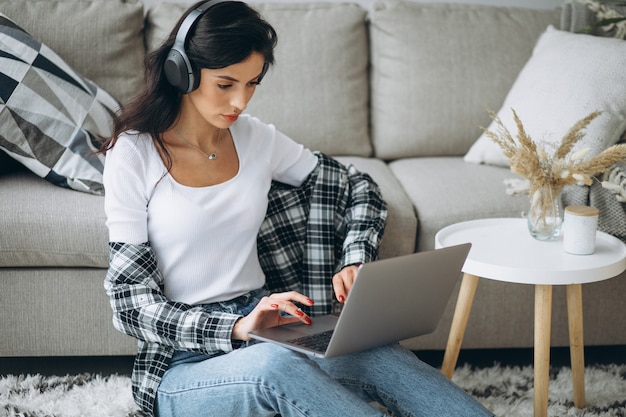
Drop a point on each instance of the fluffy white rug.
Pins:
(82, 395)
(507, 391)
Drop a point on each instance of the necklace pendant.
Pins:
(212, 156)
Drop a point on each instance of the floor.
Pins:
(480, 358)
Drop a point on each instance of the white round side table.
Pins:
(503, 250)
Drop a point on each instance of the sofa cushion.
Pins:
(102, 40)
(51, 116)
(568, 77)
(447, 190)
(47, 226)
(437, 67)
(317, 93)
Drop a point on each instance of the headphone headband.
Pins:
(178, 69)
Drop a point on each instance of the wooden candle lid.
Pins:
(582, 210)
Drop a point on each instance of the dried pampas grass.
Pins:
(553, 169)
(549, 167)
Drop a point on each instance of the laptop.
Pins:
(391, 300)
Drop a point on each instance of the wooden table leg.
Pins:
(459, 323)
(543, 319)
(576, 344)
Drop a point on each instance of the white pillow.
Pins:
(567, 77)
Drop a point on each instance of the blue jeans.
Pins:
(263, 379)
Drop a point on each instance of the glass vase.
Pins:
(545, 216)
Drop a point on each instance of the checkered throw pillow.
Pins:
(51, 117)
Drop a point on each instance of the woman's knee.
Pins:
(248, 381)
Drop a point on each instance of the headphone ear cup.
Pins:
(194, 77)
(178, 71)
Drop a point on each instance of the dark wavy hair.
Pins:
(224, 35)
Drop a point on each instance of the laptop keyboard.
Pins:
(318, 341)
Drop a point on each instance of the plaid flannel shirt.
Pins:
(334, 219)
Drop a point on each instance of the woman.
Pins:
(187, 178)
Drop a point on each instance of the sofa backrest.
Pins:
(102, 40)
(317, 92)
(405, 79)
(436, 68)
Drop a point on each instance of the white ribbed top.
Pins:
(204, 237)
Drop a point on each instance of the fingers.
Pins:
(292, 310)
(343, 281)
(293, 296)
(267, 314)
(285, 302)
(341, 292)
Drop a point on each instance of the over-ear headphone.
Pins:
(178, 69)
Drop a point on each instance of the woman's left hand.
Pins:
(343, 281)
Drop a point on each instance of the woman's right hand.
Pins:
(268, 313)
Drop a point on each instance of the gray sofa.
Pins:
(399, 91)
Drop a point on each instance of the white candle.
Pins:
(579, 230)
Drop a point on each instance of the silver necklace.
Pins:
(211, 156)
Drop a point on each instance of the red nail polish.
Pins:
(341, 298)
(308, 320)
(310, 301)
(300, 313)
(274, 305)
